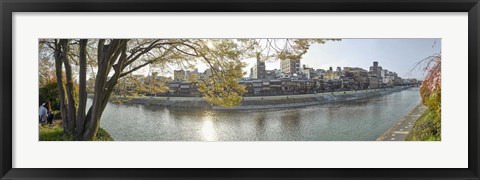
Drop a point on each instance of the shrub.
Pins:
(428, 126)
(49, 92)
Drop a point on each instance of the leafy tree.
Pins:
(113, 59)
(155, 85)
(223, 89)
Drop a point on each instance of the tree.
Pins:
(45, 71)
(118, 58)
(428, 125)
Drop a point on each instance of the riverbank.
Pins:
(260, 102)
(54, 132)
(400, 130)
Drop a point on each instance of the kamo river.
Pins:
(359, 120)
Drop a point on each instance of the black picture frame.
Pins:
(10, 6)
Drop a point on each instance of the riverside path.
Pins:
(400, 130)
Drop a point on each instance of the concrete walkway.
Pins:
(400, 130)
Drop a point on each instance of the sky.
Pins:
(397, 55)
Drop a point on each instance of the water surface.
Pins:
(358, 120)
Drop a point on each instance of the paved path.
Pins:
(400, 130)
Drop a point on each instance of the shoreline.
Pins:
(260, 102)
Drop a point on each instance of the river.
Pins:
(358, 120)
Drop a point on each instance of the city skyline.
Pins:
(397, 55)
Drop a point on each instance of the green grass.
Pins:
(103, 135)
(426, 128)
(55, 133)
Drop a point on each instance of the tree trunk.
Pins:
(100, 80)
(71, 109)
(61, 90)
(82, 103)
(94, 117)
(107, 56)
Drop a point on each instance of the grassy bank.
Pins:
(55, 133)
(426, 128)
(428, 125)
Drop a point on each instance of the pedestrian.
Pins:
(42, 113)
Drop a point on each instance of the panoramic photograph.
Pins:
(272, 89)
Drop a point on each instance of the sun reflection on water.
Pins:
(208, 130)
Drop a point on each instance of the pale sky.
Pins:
(397, 55)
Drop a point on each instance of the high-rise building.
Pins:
(259, 69)
(251, 73)
(375, 69)
(290, 67)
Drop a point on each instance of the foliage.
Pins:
(56, 133)
(224, 89)
(428, 126)
(132, 86)
(432, 81)
(103, 135)
(434, 103)
(49, 92)
(53, 133)
(46, 70)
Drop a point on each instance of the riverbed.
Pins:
(355, 120)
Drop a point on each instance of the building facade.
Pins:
(375, 69)
(290, 67)
(259, 71)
